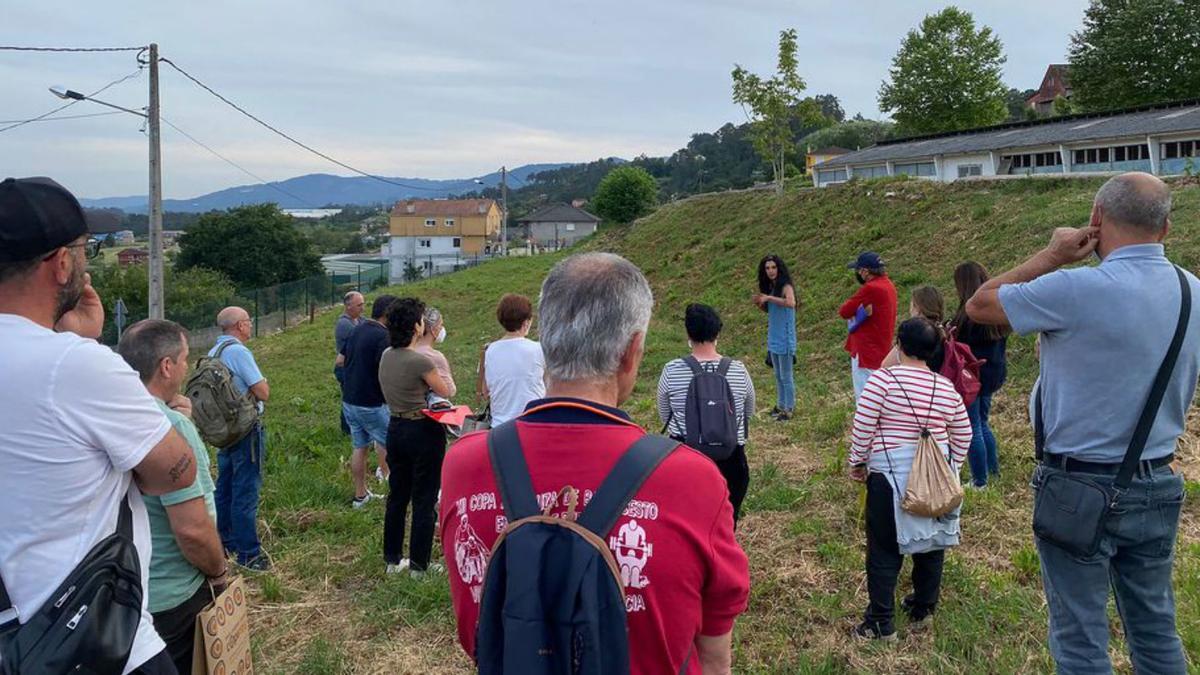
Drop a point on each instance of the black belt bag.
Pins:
(1071, 510)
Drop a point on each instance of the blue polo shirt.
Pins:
(1105, 330)
(240, 361)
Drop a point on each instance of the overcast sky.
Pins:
(442, 88)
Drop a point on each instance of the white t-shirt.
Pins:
(514, 370)
(74, 420)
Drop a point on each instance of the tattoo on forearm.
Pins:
(180, 467)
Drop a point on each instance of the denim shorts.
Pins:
(367, 424)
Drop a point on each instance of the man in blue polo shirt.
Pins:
(239, 466)
(1104, 331)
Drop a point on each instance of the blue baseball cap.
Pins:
(868, 260)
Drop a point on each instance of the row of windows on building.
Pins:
(428, 243)
(432, 222)
(1031, 160)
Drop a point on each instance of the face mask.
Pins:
(441, 334)
(858, 275)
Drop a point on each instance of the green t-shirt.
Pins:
(172, 578)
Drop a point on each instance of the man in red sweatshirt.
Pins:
(874, 328)
(686, 578)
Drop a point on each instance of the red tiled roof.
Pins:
(442, 207)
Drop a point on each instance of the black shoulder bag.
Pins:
(88, 624)
(1070, 510)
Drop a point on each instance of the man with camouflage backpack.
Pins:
(239, 464)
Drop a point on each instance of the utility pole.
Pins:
(504, 210)
(156, 243)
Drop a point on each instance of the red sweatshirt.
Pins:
(873, 339)
(686, 574)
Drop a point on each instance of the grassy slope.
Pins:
(327, 607)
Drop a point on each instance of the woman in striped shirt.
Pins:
(703, 326)
(897, 404)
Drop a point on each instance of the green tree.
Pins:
(192, 297)
(1018, 109)
(946, 76)
(771, 104)
(254, 246)
(1133, 53)
(851, 135)
(626, 194)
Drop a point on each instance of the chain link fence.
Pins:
(272, 308)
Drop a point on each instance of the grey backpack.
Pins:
(220, 413)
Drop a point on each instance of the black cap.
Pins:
(37, 216)
(869, 260)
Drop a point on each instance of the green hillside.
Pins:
(327, 607)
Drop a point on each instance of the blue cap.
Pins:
(869, 260)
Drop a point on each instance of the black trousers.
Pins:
(884, 561)
(415, 449)
(177, 627)
(736, 471)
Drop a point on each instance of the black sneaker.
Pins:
(783, 416)
(257, 564)
(871, 631)
(918, 619)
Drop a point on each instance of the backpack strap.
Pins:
(723, 367)
(623, 482)
(693, 363)
(511, 472)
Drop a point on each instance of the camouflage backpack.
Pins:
(222, 416)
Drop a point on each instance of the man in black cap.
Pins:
(77, 428)
(871, 312)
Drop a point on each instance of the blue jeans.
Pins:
(983, 456)
(785, 385)
(859, 377)
(366, 424)
(1137, 552)
(239, 477)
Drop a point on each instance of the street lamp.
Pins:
(151, 115)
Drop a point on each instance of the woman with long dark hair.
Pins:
(415, 443)
(988, 343)
(777, 297)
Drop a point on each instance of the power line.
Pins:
(6, 48)
(72, 102)
(65, 117)
(309, 148)
(235, 164)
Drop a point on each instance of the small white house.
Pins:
(1160, 139)
(558, 225)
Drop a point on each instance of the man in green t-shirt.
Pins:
(188, 566)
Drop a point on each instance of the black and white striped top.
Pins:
(673, 387)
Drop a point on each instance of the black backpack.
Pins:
(710, 411)
(88, 624)
(553, 598)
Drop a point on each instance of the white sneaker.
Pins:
(359, 502)
(379, 475)
(434, 568)
(396, 569)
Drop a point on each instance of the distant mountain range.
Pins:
(318, 189)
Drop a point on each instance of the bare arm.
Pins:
(716, 653)
(788, 299)
(168, 466)
(197, 536)
(437, 383)
(1067, 245)
(261, 390)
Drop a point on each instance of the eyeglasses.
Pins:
(91, 248)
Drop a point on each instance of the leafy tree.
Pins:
(946, 76)
(831, 107)
(1134, 53)
(254, 246)
(412, 272)
(1063, 106)
(850, 135)
(1018, 110)
(192, 297)
(625, 194)
(770, 105)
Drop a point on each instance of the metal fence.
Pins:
(272, 308)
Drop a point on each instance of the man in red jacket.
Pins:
(872, 330)
(686, 578)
